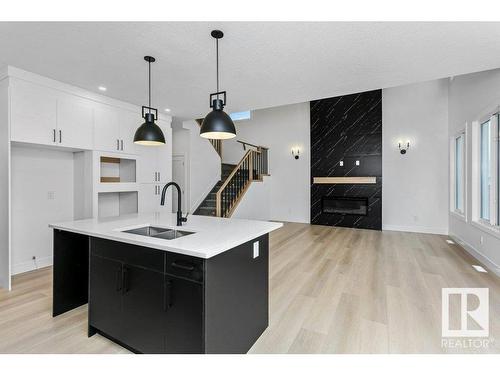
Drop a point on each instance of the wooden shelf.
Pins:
(107, 159)
(110, 179)
(345, 180)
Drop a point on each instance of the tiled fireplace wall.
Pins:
(347, 128)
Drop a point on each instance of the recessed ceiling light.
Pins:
(167, 109)
(479, 268)
(102, 88)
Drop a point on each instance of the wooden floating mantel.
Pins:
(345, 180)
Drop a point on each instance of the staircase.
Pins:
(235, 181)
(209, 205)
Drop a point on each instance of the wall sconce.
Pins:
(296, 153)
(403, 147)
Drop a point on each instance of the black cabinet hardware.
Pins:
(168, 296)
(119, 279)
(121, 142)
(125, 281)
(185, 267)
(60, 136)
(118, 144)
(54, 135)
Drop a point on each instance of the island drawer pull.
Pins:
(189, 267)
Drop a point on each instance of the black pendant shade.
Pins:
(217, 124)
(149, 134)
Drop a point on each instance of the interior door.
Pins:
(105, 303)
(184, 316)
(179, 176)
(143, 309)
(106, 129)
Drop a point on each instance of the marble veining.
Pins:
(347, 128)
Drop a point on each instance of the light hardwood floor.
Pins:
(332, 290)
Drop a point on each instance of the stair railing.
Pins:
(252, 167)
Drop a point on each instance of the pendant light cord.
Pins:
(149, 75)
(217, 64)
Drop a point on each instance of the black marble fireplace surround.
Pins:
(347, 128)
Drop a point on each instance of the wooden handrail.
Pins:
(251, 167)
(252, 145)
(235, 170)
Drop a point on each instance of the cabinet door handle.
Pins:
(119, 279)
(185, 267)
(125, 281)
(118, 144)
(60, 136)
(121, 141)
(168, 295)
(159, 178)
(54, 135)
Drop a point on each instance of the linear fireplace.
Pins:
(344, 205)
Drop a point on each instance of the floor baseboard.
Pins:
(31, 265)
(476, 254)
(415, 229)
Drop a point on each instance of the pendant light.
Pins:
(149, 134)
(217, 124)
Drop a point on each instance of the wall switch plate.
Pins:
(51, 195)
(357, 162)
(341, 163)
(255, 249)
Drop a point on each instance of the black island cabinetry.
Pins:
(155, 301)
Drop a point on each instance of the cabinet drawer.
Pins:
(185, 266)
(130, 254)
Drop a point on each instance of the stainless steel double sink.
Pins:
(156, 232)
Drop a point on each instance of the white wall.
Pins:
(469, 96)
(256, 202)
(4, 186)
(204, 164)
(280, 129)
(415, 185)
(36, 172)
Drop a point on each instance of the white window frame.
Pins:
(492, 225)
(461, 214)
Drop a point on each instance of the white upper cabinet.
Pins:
(106, 129)
(75, 122)
(33, 113)
(128, 124)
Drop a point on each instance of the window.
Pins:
(485, 170)
(238, 116)
(459, 175)
(486, 173)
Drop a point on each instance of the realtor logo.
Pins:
(470, 315)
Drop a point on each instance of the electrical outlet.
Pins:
(357, 162)
(341, 163)
(481, 240)
(255, 249)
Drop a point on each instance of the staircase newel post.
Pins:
(218, 205)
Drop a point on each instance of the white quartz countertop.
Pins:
(213, 235)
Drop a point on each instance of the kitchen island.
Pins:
(153, 287)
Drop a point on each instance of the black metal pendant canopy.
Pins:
(217, 124)
(149, 134)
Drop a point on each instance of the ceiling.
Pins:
(262, 64)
